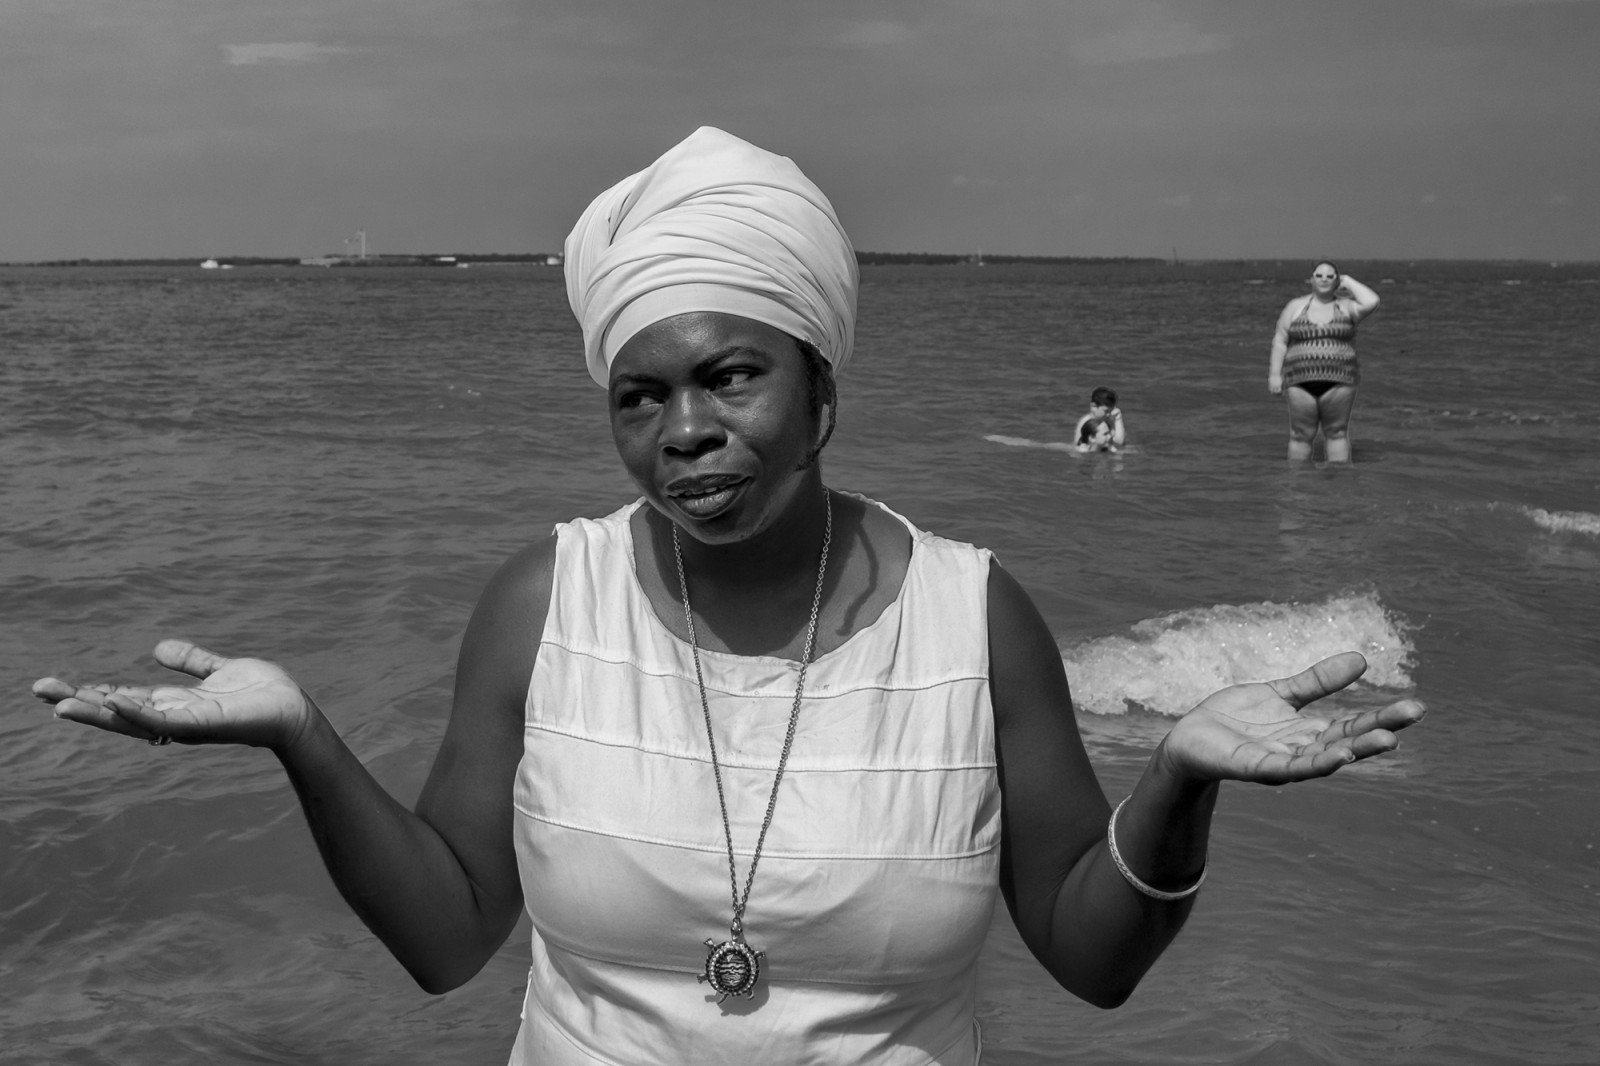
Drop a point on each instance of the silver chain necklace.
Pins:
(733, 967)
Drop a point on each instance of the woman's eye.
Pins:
(726, 378)
(629, 400)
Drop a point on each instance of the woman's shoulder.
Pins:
(882, 548)
(886, 536)
(531, 570)
(618, 523)
(502, 637)
(896, 544)
(893, 537)
(522, 583)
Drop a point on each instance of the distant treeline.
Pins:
(943, 259)
(431, 259)
(188, 261)
(1130, 269)
(437, 258)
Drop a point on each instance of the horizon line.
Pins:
(863, 256)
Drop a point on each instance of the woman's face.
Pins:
(711, 414)
(1324, 278)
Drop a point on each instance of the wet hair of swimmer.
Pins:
(1087, 433)
(821, 391)
(1104, 397)
(1330, 264)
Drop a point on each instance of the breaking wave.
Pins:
(1565, 521)
(1166, 665)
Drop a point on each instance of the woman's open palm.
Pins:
(237, 701)
(1259, 731)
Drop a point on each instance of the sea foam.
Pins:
(1027, 442)
(1168, 664)
(1565, 521)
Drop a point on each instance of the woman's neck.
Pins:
(753, 596)
(787, 552)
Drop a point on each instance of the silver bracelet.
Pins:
(1127, 874)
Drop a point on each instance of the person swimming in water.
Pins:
(1103, 411)
(1094, 436)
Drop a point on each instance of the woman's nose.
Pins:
(691, 425)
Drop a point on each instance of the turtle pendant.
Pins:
(732, 967)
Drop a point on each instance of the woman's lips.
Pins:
(705, 500)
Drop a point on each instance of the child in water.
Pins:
(1094, 437)
(1101, 430)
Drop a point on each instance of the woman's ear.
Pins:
(830, 401)
(827, 400)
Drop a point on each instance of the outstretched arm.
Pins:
(1094, 932)
(439, 885)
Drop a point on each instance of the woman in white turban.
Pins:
(757, 757)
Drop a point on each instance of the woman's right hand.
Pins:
(1275, 383)
(238, 701)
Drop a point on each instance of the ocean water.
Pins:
(323, 467)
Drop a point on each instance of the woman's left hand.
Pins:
(1260, 732)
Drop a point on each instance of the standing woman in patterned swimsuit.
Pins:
(1314, 361)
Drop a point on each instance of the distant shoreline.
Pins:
(430, 260)
(553, 259)
(1263, 268)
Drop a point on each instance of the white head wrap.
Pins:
(715, 224)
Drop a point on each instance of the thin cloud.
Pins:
(290, 53)
(1155, 33)
(874, 34)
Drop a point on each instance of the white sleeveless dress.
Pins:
(879, 873)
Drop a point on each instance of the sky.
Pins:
(1397, 129)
